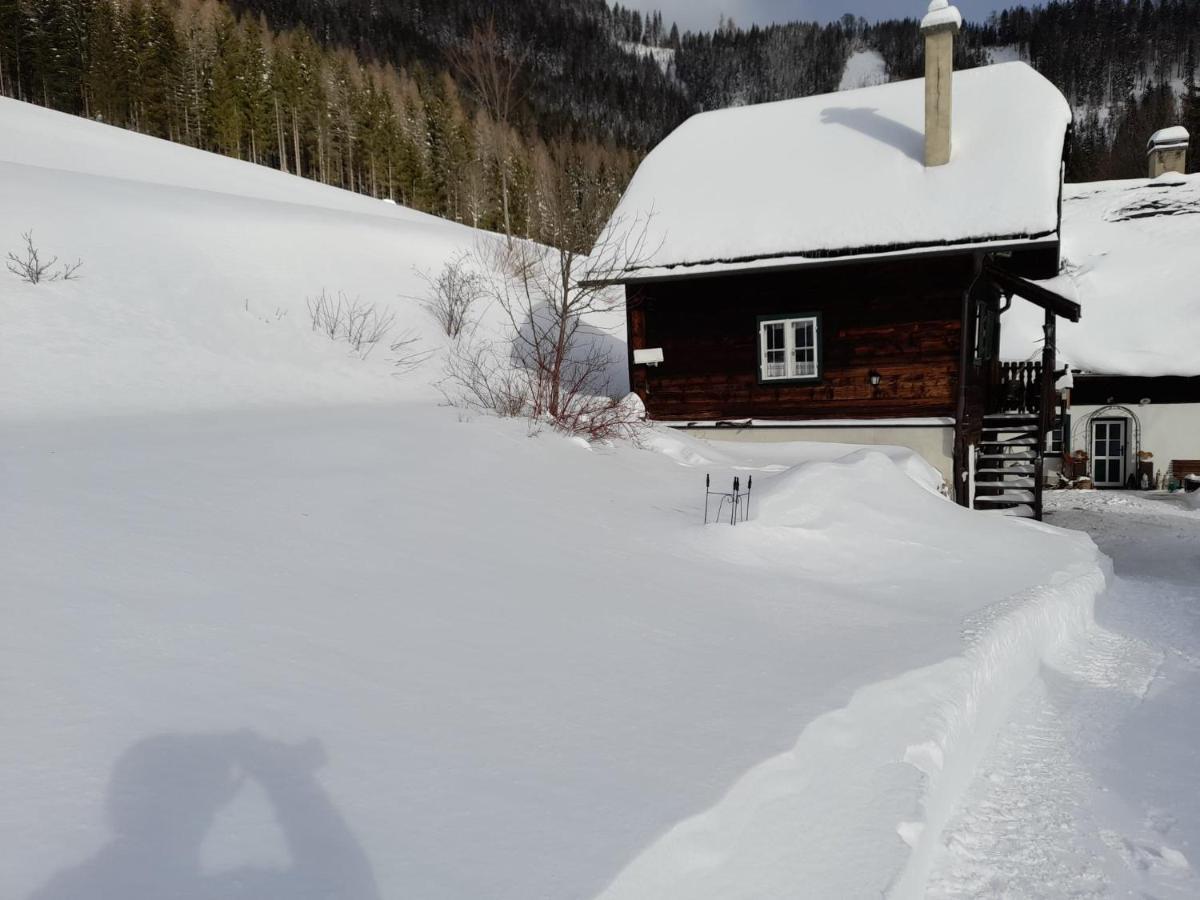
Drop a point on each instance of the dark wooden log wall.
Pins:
(900, 319)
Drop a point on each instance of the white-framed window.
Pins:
(789, 348)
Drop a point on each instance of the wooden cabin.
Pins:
(833, 268)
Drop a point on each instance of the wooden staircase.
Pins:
(1008, 465)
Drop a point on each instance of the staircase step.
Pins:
(1007, 497)
(1022, 454)
(1012, 417)
(1011, 442)
(1021, 469)
(1023, 511)
(1011, 432)
(1006, 483)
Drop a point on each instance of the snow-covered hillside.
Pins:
(195, 278)
(279, 626)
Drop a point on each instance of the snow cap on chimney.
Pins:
(1166, 151)
(939, 26)
(940, 12)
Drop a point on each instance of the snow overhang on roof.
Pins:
(840, 175)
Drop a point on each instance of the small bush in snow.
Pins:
(359, 324)
(452, 294)
(29, 266)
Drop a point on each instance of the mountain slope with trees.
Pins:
(372, 95)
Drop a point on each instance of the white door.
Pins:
(1108, 452)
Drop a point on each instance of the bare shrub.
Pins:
(550, 367)
(361, 325)
(407, 353)
(328, 317)
(478, 377)
(452, 294)
(30, 267)
(366, 326)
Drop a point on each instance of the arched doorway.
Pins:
(1113, 437)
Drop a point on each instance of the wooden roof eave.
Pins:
(1033, 292)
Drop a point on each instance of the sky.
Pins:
(704, 14)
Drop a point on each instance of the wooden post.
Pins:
(1047, 410)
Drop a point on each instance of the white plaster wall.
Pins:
(935, 444)
(1169, 431)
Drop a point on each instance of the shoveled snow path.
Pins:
(1092, 789)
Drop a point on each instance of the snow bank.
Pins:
(689, 450)
(858, 804)
(1007, 646)
(1124, 239)
(1192, 498)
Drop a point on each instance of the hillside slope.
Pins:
(196, 274)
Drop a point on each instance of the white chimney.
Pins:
(1166, 151)
(940, 25)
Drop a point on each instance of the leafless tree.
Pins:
(453, 293)
(493, 74)
(545, 293)
(30, 267)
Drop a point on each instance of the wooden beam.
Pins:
(1033, 292)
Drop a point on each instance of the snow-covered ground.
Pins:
(280, 626)
(1093, 788)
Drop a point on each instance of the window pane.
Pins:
(774, 350)
(804, 359)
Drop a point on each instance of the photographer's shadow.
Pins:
(163, 797)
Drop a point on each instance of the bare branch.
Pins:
(30, 268)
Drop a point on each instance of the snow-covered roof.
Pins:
(843, 174)
(1130, 258)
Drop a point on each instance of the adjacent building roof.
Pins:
(1131, 257)
(843, 175)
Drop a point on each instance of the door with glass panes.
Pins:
(1108, 452)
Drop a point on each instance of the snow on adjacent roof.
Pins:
(1175, 136)
(1130, 258)
(941, 13)
(843, 174)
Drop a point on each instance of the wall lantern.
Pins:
(875, 378)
